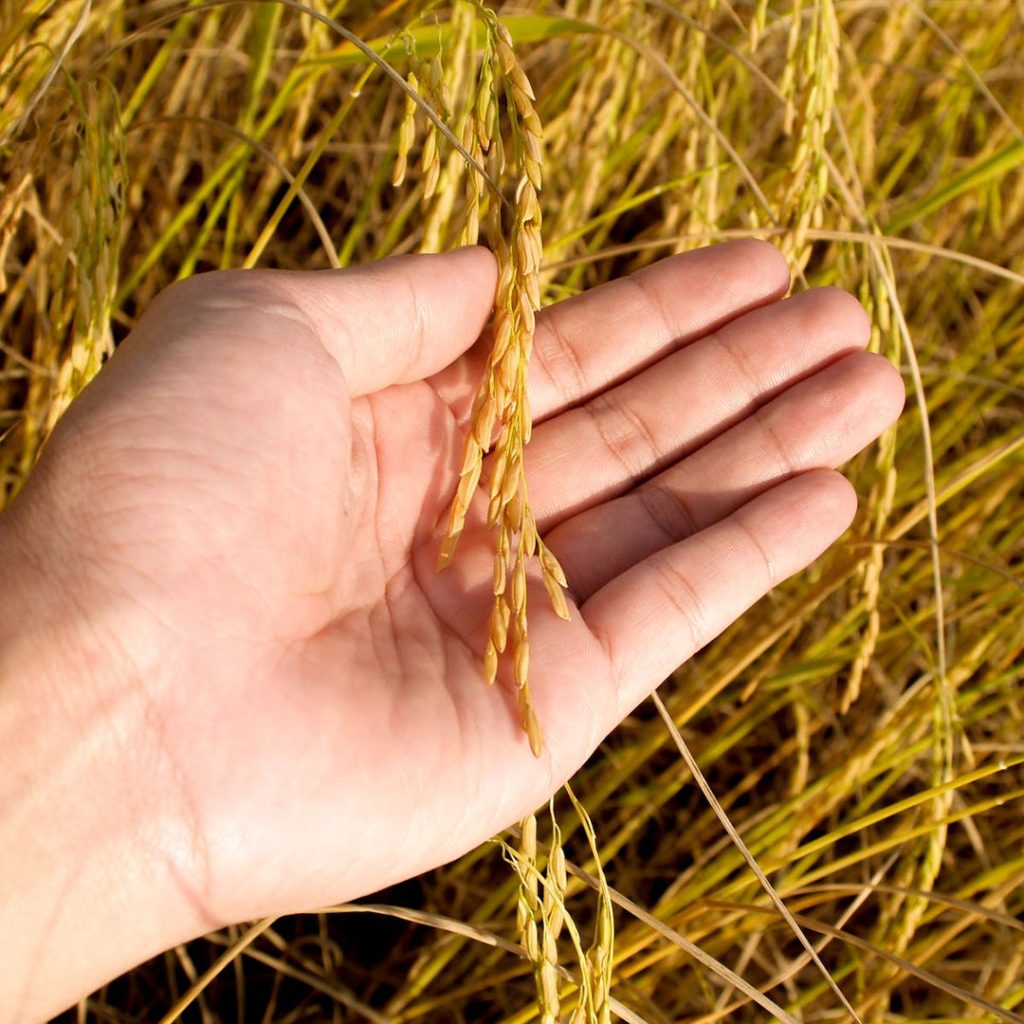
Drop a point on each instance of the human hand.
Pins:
(254, 676)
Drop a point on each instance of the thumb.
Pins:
(400, 319)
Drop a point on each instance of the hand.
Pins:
(254, 674)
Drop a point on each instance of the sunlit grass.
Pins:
(863, 726)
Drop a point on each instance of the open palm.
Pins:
(251, 497)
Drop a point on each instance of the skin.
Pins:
(232, 683)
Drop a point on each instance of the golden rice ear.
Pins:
(498, 624)
(87, 278)
(448, 544)
(406, 135)
(502, 408)
(531, 726)
(483, 423)
(490, 663)
(551, 565)
(500, 574)
(519, 587)
(431, 163)
(522, 661)
(557, 597)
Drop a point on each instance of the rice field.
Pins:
(862, 728)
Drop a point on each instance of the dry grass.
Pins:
(862, 727)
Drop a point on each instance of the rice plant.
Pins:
(861, 728)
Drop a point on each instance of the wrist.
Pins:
(96, 859)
